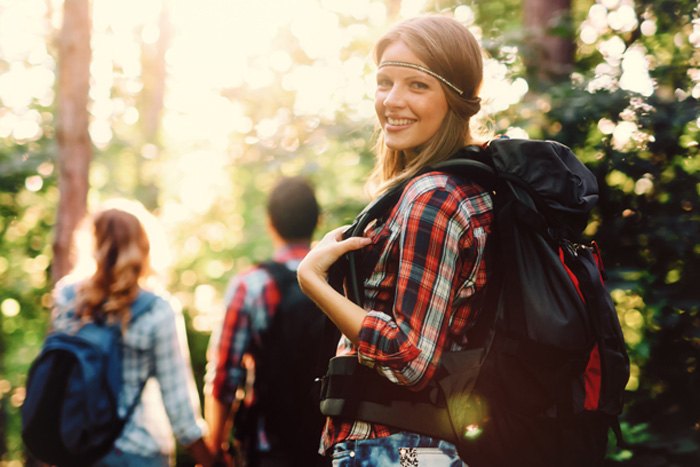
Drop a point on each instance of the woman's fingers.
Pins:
(354, 243)
(337, 246)
(331, 247)
(335, 235)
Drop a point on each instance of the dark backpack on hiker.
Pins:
(542, 380)
(289, 363)
(69, 415)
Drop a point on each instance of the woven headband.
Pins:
(424, 70)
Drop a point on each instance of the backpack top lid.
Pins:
(552, 170)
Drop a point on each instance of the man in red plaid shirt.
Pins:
(252, 299)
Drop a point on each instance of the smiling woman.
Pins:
(426, 255)
(410, 101)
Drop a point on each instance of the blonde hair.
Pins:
(122, 258)
(447, 48)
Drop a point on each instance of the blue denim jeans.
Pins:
(397, 450)
(118, 458)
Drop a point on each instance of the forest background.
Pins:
(196, 108)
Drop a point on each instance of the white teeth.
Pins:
(403, 121)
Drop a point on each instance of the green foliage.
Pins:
(648, 223)
(642, 146)
(25, 249)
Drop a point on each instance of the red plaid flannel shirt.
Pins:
(430, 263)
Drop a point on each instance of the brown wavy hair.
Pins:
(446, 47)
(122, 257)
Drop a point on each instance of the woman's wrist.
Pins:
(310, 280)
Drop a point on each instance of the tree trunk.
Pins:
(153, 64)
(74, 146)
(547, 24)
(151, 107)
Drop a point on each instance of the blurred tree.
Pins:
(631, 111)
(549, 45)
(156, 39)
(74, 145)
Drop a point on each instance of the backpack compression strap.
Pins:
(354, 391)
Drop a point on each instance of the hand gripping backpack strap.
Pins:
(371, 212)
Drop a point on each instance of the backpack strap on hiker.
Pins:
(144, 302)
(281, 275)
(285, 278)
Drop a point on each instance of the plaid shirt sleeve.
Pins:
(173, 371)
(440, 241)
(251, 299)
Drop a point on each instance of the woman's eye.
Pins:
(419, 85)
(383, 83)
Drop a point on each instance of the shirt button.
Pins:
(352, 453)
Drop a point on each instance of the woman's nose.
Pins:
(394, 97)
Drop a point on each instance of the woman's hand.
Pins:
(312, 276)
(326, 252)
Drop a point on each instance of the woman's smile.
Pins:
(410, 104)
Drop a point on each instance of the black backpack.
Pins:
(543, 378)
(69, 415)
(289, 363)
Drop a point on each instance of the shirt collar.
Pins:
(291, 251)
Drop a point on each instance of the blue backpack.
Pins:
(70, 413)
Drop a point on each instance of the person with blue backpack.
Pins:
(113, 382)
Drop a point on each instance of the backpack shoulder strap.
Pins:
(471, 162)
(144, 302)
(282, 276)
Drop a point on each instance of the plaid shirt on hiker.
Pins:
(251, 300)
(423, 267)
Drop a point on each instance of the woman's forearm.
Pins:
(345, 314)
(312, 275)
